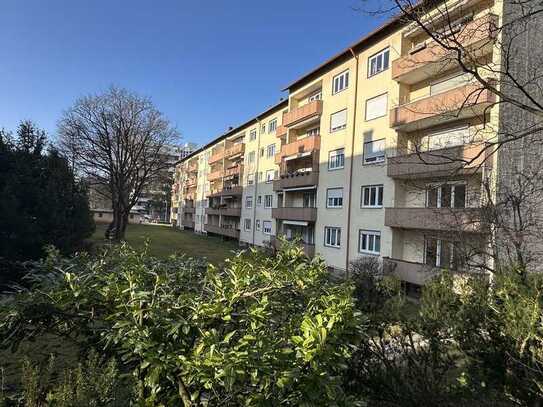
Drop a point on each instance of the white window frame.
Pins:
(272, 126)
(340, 82)
(343, 126)
(250, 179)
(259, 200)
(315, 96)
(257, 224)
(266, 197)
(247, 224)
(270, 151)
(249, 201)
(372, 237)
(251, 157)
(439, 187)
(333, 199)
(378, 188)
(376, 57)
(264, 223)
(268, 179)
(252, 135)
(263, 128)
(374, 159)
(332, 236)
(333, 158)
(385, 112)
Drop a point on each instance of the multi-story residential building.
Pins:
(368, 155)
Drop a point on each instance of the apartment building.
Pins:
(368, 155)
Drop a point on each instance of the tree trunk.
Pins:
(183, 393)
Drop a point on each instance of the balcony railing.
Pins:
(228, 191)
(462, 102)
(300, 214)
(187, 223)
(303, 113)
(222, 230)
(298, 179)
(216, 157)
(188, 209)
(236, 149)
(215, 175)
(466, 220)
(304, 145)
(238, 169)
(236, 212)
(412, 272)
(309, 249)
(193, 167)
(477, 38)
(281, 131)
(458, 160)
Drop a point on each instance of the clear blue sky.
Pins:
(206, 64)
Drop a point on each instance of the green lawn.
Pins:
(165, 240)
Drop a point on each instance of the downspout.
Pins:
(352, 164)
(257, 154)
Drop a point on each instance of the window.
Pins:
(442, 253)
(249, 202)
(267, 227)
(263, 128)
(262, 152)
(260, 176)
(334, 198)
(247, 224)
(332, 236)
(257, 224)
(372, 196)
(313, 132)
(272, 126)
(450, 83)
(309, 200)
(270, 151)
(251, 157)
(269, 176)
(378, 62)
(376, 107)
(100, 214)
(340, 82)
(252, 135)
(259, 200)
(374, 151)
(336, 159)
(315, 96)
(268, 201)
(369, 242)
(446, 196)
(338, 120)
(250, 179)
(446, 138)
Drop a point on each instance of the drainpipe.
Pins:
(352, 164)
(255, 196)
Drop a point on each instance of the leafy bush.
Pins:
(262, 331)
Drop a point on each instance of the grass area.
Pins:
(165, 240)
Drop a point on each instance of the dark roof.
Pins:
(366, 41)
(282, 104)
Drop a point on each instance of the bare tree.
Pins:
(117, 141)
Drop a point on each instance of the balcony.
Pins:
(300, 214)
(477, 38)
(236, 170)
(295, 180)
(236, 212)
(215, 175)
(228, 191)
(303, 115)
(193, 167)
(222, 230)
(281, 131)
(459, 103)
(235, 151)
(191, 182)
(459, 160)
(466, 220)
(188, 209)
(301, 146)
(414, 273)
(216, 157)
(309, 249)
(187, 223)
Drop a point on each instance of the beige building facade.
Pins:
(379, 151)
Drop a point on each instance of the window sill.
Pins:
(378, 73)
(371, 207)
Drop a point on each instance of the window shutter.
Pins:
(376, 107)
(335, 193)
(338, 120)
(450, 83)
(448, 138)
